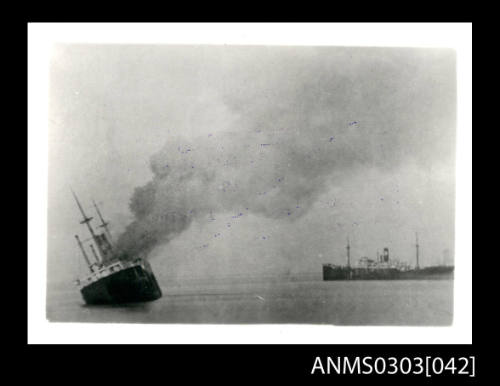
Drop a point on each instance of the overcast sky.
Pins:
(273, 155)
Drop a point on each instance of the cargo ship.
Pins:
(113, 280)
(384, 268)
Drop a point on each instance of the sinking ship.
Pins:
(113, 280)
(385, 268)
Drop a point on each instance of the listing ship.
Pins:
(113, 280)
(385, 269)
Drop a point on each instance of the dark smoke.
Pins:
(296, 129)
(240, 172)
(274, 173)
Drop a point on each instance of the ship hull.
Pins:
(428, 273)
(129, 285)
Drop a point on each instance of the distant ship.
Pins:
(112, 280)
(386, 269)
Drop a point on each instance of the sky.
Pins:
(217, 161)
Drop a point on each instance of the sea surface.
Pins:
(284, 301)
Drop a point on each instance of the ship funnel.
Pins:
(104, 224)
(385, 256)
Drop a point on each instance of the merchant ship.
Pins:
(385, 268)
(113, 280)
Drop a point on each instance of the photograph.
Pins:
(251, 184)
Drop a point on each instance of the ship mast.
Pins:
(348, 253)
(83, 252)
(95, 254)
(104, 224)
(417, 247)
(86, 220)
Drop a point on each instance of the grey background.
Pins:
(318, 143)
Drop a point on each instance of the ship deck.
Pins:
(107, 270)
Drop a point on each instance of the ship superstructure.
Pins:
(111, 280)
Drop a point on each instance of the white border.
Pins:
(40, 39)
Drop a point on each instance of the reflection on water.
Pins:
(307, 301)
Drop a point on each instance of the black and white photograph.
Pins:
(251, 184)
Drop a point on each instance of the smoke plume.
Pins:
(294, 129)
(270, 174)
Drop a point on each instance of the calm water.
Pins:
(273, 301)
